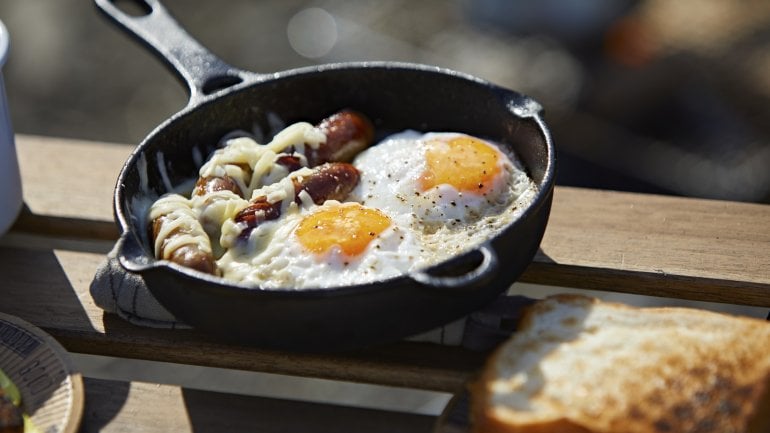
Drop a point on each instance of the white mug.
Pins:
(10, 180)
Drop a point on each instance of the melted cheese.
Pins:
(281, 191)
(180, 220)
(244, 151)
(213, 210)
(207, 214)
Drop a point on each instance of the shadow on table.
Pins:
(104, 400)
(216, 412)
(41, 291)
(36, 288)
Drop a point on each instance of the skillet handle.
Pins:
(487, 268)
(203, 72)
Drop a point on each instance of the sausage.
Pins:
(330, 181)
(292, 162)
(178, 236)
(206, 185)
(188, 255)
(209, 184)
(347, 133)
(259, 211)
(191, 257)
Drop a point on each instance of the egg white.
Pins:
(445, 220)
(426, 227)
(283, 262)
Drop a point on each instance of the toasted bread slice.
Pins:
(579, 365)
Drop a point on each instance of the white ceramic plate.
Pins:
(51, 391)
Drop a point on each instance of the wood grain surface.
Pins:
(634, 243)
(675, 247)
(51, 290)
(120, 407)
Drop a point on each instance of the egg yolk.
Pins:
(351, 227)
(466, 163)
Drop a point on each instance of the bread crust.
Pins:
(691, 371)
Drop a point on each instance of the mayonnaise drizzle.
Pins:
(245, 151)
(180, 220)
(281, 191)
(203, 220)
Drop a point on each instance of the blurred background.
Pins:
(654, 96)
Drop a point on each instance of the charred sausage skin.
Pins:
(177, 235)
(207, 185)
(347, 133)
(330, 181)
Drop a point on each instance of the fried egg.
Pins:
(440, 178)
(452, 190)
(421, 199)
(334, 244)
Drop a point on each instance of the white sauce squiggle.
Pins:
(189, 221)
(180, 226)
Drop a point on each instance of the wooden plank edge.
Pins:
(660, 284)
(80, 235)
(64, 227)
(412, 365)
(117, 406)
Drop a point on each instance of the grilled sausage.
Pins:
(209, 184)
(192, 257)
(178, 236)
(291, 162)
(347, 134)
(330, 181)
(259, 211)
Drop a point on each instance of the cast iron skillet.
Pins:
(396, 96)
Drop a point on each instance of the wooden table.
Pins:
(611, 241)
